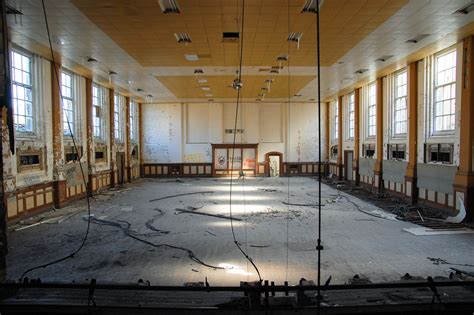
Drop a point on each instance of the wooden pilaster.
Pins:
(412, 97)
(112, 136)
(339, 164)
(59, 184)
(379, 144)
(355, 163)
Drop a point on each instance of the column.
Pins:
(90, 134)
(59, 184)
(464, 180)
(412, 97)
(112, 137)
(140, 137)
(127, 139)
(379, 145)
(355, 163)
(339, 164)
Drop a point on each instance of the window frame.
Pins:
(336, 121)
(133, 115)
(350, 104)
(371, 106)
(453, 84)
(394, 110)
(73, 120)
(31, 87)
(99, 132)
(119, 105)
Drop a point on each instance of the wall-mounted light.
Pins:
(269, 84)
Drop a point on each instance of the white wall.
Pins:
(183, 133)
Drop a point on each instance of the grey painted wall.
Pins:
(394, 171)
(366, 167)
(436, 177)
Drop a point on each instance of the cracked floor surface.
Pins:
(165, 243)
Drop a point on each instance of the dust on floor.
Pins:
(185, 235)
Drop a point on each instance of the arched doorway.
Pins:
(273, 164)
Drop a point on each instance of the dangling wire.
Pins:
(241, 165)
(56, 74)
(288, 151)
(249, 259)
(319, 247)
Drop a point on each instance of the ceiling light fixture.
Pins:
(310, 6)
(384, 58)
(269, 83)
(111, 73)
(237, 84)
(416, 39)
(295, 37)
(208, 95)
(169, 6)
(192, 57)
(183, 38)
(90, 59)
(230, 37)
(466, 9)
(360, 71)
(149, 98)
(274, 71)
(282, 58)
(198, 71)
(202, 81)
(12, 10)
(139, 90)
(205, 88)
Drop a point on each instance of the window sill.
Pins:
(442, 135)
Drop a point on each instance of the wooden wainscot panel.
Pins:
(30, 200)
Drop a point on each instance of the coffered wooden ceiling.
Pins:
(220, 86)
(147, 34)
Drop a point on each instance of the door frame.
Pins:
(267, 162)
(346, 164)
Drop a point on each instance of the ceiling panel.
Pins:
(187, 87)
(147, 34)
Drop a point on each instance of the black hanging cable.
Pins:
(238, 86)
(289, 149)
(56, 74)
(319, 247)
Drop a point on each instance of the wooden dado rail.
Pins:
(177, 169)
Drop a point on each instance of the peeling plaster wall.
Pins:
(183, 133)
(162, 134)
(303, 132)
(44, 137)
(81, 135)
(104, 166)
(347, 144)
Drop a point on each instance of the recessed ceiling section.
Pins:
(187, 87)
(150, 36)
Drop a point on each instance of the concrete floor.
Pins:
(354, 242)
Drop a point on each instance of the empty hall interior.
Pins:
(208, 143)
